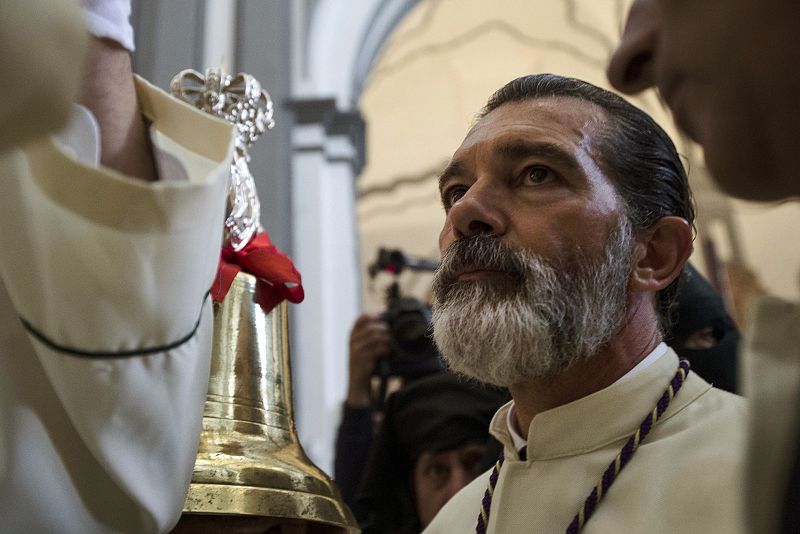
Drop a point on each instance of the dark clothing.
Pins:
(791, 510)
(353, 445)
(699, 306)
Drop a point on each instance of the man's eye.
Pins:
(437, 472)
(537, 174)
(453, 195)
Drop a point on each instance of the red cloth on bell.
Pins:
(278, 279)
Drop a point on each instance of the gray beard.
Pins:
(535, 322)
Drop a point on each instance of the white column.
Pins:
(325, 251)
(334, 45)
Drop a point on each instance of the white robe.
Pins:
(771, 378)
(105, 327)
(685, 477)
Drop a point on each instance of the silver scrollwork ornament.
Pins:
(241, 101)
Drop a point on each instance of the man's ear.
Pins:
(660, 253)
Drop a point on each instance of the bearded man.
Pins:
(568, 223)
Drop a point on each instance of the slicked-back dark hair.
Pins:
(635, 152)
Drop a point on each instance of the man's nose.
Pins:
(477, 212)
(632, 64)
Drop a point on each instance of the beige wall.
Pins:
(436, 72)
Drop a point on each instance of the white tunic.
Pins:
(685, 478)
(105, 327)
(771, 377)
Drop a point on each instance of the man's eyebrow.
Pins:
(515, 150)
(520, 149)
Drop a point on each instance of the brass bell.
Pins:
(251, 474)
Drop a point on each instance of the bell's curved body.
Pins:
(250, 463)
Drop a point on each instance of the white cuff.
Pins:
(110, 19)
(81, 139)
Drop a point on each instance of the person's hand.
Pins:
(369, 341)
(43, 45)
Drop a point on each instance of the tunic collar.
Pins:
(604, 417)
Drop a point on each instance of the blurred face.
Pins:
(724, 68)
(440, 475)
(535, 258)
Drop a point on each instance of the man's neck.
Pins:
(638, 338)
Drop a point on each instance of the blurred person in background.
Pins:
(726, 70)
(369, 342)
(704, 332)
(429, 446)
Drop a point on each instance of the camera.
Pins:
(413, 353)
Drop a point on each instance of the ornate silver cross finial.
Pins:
(241, 101)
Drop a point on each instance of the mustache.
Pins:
(480, 252)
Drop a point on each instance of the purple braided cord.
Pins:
(486, 503)
(630, 447)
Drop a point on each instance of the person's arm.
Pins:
(105, 315)
(110, 278)
(369, 340)
(109, 93)
(353, 445)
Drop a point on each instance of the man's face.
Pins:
(529, 173)
(535, 246)
(438, 476)
(725, 68)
